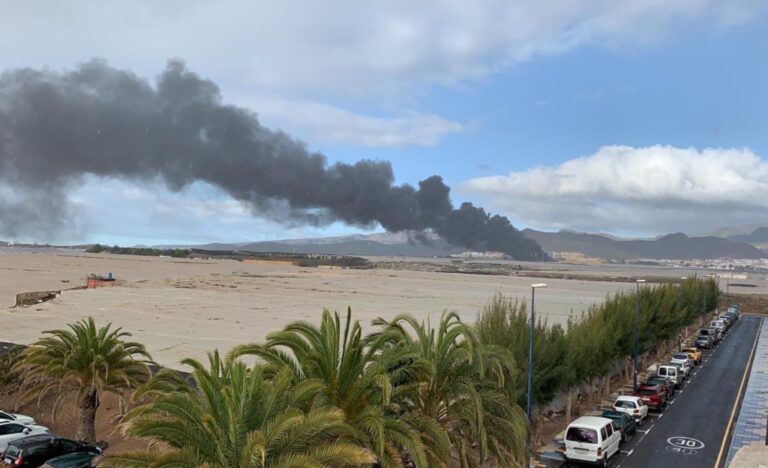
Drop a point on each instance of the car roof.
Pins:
(590, 421)
(627, 398)
(34, 440)
(7, 421)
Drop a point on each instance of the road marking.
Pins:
(686, 442)
(628, 453)
(738, 396)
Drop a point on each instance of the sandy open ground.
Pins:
(181, 308)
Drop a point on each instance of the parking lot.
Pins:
(691, 431)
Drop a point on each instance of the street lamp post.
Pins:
(530, 368)
(634, 348)
(679, 307)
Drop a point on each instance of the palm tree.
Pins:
(356, 378)
(461, 388)
(9, 373)
(235, 417)
(85, 359)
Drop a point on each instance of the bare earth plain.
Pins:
(183, 308)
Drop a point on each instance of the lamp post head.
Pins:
(539, 285)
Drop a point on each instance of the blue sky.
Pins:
(521, 109)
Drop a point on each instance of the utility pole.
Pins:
(634, 348)
(530, 370)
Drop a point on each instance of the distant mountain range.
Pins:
(758, 236)
(671, 246)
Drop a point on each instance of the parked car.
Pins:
(733, 316)
(72, 460)
(11, 430)
(591, 439)
(623, 422)
(653, 395)
(683, 358)
(682, 369)
(704, 341)
(718, 325)
(694, 354)
(19, 418)
(633, 406)
(671, 372)
(35, 450)
(669, 386)
(728, 319)
(710, 332)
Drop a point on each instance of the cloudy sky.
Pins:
(634, 117)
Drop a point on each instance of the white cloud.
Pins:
(371, 52)
(645, 190)
(320, 122)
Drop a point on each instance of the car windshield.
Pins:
(680, 356)
(624, 404)
(646, 392)
(4, 415)
(582, 434)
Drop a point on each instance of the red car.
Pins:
(652, 395)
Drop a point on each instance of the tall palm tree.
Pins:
(461, 387)
(85, 359)
(236, 417)
(356, 378)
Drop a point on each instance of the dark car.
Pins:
(624, 422)
(35, 450)
(652, 395)
(667, 384)
(704, 341)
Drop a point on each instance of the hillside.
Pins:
(672, 246)
(758, 236)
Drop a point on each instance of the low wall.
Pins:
(35, 297)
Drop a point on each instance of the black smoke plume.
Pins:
(98, 120)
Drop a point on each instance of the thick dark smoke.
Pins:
(57, 127)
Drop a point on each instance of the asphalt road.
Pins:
(691, 429)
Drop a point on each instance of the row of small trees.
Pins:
(590, 346)
(143, 251)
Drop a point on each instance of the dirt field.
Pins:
(181, 308)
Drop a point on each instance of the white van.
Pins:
(670, 371)
(591, 439)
